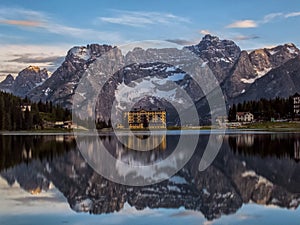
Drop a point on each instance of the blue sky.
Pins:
(41, 32)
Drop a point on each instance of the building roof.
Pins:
(242, 113)
(296, 95)
(158, 109)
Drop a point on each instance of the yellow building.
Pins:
(140, 118)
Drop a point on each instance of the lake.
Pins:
(48, 179)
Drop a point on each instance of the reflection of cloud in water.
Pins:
(245, 216)
(15, 201)
(187, 213)
(45, 199)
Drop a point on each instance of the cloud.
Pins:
(10, 70)
(293, 14)
(208, 222)
(36, 59)
(181, 41)
(25, 23)
(14, 58)
(81, 32)
(270, 17)
(142, 19)
(245, 38)
(243, 24)
(12, 13)
(266, 19)
(204, 32)
(51, 62)
(49, 199)
(43, 22)
(243, 216)
(187, 213)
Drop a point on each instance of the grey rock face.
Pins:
(7, 83)
(282, 81)
(221, 55)
(27, 79)
(59, 88)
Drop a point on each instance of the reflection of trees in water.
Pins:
(275, 144)
(20, 148)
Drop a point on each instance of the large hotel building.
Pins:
(140, 118)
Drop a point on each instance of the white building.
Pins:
(244, 117)
(296, 101)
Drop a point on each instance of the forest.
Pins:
(22, 114)
(264, 109)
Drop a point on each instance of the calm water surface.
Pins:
(255, 179)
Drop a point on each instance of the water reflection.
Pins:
(259, 168)
(154, 142)
(267, 144)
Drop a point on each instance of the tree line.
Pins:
(264, 109)
(22, 114)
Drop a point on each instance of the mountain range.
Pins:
(242, 75)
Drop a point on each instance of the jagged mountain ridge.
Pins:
(256, 64)
(282, 81)
(59, 88)
(238, 72)
(28, 79)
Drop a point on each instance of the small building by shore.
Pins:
(244, 117)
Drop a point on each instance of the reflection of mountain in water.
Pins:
(250, 167)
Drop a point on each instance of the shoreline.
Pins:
(251, 127)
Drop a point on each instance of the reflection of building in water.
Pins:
(140, 118)
(35, 191)
(296, 149)
(147, 142)
(245, 140)
(25, 107)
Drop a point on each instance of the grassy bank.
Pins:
(273, 125)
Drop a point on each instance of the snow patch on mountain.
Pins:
(81, 53)
(259, 75)
(248, 81)
(262, 72)
(164, 88)
(178, 180)
(260, 180)
(292, 50)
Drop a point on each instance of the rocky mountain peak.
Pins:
(7, 83)
(79, 53)
(268, 58)
(220, 54)
(8, 80)
(64, 80)
(210, 38)
(35, 69)
(33, 72)
(27, 79)
(83, 54)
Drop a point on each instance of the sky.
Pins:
(41, 32)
